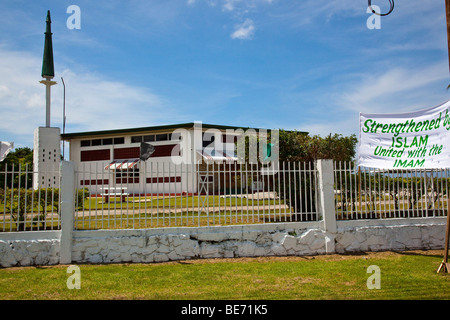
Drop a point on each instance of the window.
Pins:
(85, 143)
(127, 173)
(96, 142)
(163, 179)
(136, 139)
(149, 138)
(119, 140)
(100, 142)
(161, 137)
(127, 176)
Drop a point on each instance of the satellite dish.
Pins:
(146, 151)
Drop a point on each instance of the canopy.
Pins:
(122, 164)
(214, 155)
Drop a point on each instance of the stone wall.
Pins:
(187, 243)
(169, 244)
(29, 248)
(395, 234)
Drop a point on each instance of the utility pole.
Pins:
(447, 14)
(445, 266)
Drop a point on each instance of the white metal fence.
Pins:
(169, 195)
(23, 207)
(366, 193)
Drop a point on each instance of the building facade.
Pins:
(113, 158)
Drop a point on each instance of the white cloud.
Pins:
(92, 101)
(244, 30)
(393, 89)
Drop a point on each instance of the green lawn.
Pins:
(96, 203)
(408, 275)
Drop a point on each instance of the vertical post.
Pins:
(359, 190)
(445, 265)
(447, 14)
(67, 207)
(447, 232)
(326, 200)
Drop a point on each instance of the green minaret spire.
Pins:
(48, 70)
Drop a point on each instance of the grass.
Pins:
(175, 202)
(406, 275)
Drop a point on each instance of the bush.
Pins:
(18, 202)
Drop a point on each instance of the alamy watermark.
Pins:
(374, 281)
(374, 21)
(244, 146)
(74, 20)
(73, 281)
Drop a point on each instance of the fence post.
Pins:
(67, 192)
(326, 201)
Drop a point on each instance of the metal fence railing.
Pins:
(365, 193)
(162, 194)
(167, 195)
(24, 207)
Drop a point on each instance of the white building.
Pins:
(111, 158)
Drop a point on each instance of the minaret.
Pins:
(48, 70)
(47, 140)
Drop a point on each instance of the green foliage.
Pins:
(299, 146)
(19, 202)
(294, 146)
(82, 195)
(19, 160)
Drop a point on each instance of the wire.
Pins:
(391, 3)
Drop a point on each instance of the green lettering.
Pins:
(418, 125)
(366, 125)
(424, 141)
(420, 163)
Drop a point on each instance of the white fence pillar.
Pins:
(326, 201)
(67, 194)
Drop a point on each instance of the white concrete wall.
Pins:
(168, 244)
(29, 248)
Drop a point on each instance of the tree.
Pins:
(20, 158)
(305, 149)
(299, 146)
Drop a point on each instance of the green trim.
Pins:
(68, 136)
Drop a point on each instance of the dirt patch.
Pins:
(327, 257)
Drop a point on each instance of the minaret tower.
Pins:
(47, 150)
(48, 69)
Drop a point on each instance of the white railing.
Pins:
(23, 207)
(366, 193)
(162, 194)
(168, 195)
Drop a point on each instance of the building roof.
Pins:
(69, 136)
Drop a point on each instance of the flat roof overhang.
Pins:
(188, 125)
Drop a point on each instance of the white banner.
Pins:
(405, 140)
(5, 147)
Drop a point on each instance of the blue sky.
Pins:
(309, 65)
